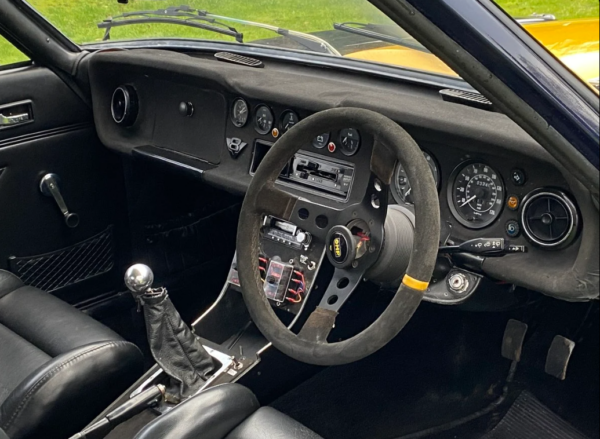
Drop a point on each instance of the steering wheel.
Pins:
(391, 144)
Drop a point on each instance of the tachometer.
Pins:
(263, 124)
(476, 197)
(402, 190)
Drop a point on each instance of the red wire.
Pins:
(363, 237)
(299, 273)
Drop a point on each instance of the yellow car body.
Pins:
(574, 42)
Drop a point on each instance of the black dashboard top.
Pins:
(215, 120)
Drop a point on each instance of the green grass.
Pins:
(78, 19)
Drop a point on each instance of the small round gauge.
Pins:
(240, 113)
(349, 141)
(288, 120)
(476, 197)
(403, 190)
(321, 141)
(264, 121)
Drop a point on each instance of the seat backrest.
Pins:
(61, 367)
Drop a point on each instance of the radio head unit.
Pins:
(330, 177)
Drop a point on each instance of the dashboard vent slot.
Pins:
(471, 98)
(239, 59)
(550, 219)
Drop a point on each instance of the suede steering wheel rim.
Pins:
(391, 143)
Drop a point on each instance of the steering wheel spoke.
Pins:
(276, 202)
(322, 321)
(341, 287)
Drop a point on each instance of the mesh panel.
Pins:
(56, 270)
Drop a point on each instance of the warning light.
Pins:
(513, 202)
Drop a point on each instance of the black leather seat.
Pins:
(59, 368)
(229, 411)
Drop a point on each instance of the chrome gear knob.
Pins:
(139, 278)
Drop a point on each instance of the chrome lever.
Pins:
(50, 187)
(16, 114)
(17, 119)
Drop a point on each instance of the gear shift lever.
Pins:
(174, 347)
(139, 278)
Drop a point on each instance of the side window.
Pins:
(9, 54)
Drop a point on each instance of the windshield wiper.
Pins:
(309, 41)
(186, 16)
(373, 32)
(181, 15)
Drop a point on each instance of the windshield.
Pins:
(340, 28)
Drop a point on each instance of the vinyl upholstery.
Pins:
(228, 411)
(59, 368)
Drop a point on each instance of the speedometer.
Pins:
(476, 197)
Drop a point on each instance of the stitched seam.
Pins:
(43, 380)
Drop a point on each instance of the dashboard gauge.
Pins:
(476, 197)
(288, 120)
(240, 113)
(264, 121)
(321, 141)
(402, 190)
(349, 141)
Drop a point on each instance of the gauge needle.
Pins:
(468, 201)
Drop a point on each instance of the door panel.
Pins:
(35, 241)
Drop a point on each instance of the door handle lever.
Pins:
(17, 119)
(16, 114)
(50, 187)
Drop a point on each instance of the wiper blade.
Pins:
(180, 15)
(186, 16)
(311, 42)
(373, 32)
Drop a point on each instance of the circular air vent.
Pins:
(550, 218)
(124, 105)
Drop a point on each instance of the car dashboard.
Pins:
(216, 121)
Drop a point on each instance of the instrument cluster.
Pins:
(348, 141)
(478, 196)
(475, 191)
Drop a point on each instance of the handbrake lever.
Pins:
(124, 412)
